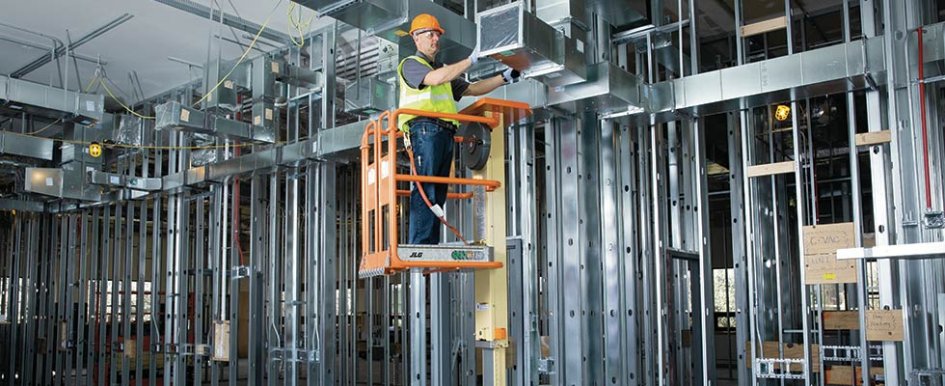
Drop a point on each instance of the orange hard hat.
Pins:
(425, 21)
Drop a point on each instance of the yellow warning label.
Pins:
(830, 276)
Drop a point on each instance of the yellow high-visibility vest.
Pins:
(431, 98)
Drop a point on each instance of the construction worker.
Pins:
(426, 84)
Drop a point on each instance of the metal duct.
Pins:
(367, 96)
(26, 146)
(122, 181)
(620, 13)
(174, 116)
(522, 41)
(25, 206)
(562, 12)
(607, 89)
(50, 102)
(389, 19)
(833, 69)
(66, 182)
(839, 68)
(288, 154)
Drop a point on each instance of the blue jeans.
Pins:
(433, 156)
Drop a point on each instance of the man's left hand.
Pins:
(510, 75)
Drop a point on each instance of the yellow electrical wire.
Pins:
(155, 147)
(299, 26)
(91, 82)
(288, 15)
(33, 133)
(242, 57)
(128, 109)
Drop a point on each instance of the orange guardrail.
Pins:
(380, 209)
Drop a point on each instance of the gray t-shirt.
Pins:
(414, 72)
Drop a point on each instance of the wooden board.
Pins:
(221, 341)
(884, 325)
(873, 138)
(841, 320)
(820, 254)
(545, 346)
(129, 348)
(764, 26)
(63, 336)
(770, 169)
(769, 350)
(843, 375)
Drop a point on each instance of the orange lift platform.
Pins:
(383, 252)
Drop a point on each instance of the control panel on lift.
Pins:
(385, 186)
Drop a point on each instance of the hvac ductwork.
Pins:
(390, 19)
(522, 41)
(608, 89)
(50, 102)
(70, 182)
(174, 116)
(26, 146)
(816, 72)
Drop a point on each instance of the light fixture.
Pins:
(782, 113)
(95, 149)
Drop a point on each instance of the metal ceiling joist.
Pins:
(60, 51)
(228, 20)
(37, 46)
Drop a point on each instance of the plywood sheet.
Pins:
(841, 320)
(884, 325)
(844, 375)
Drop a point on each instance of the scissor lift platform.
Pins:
(382, 251)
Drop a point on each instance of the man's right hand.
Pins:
(510, 75)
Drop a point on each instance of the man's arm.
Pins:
(484, 86)
(447, 73)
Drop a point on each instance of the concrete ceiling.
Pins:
(142, 44)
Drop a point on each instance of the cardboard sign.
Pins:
(884, 325)
(820, 254)
(827, 239)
